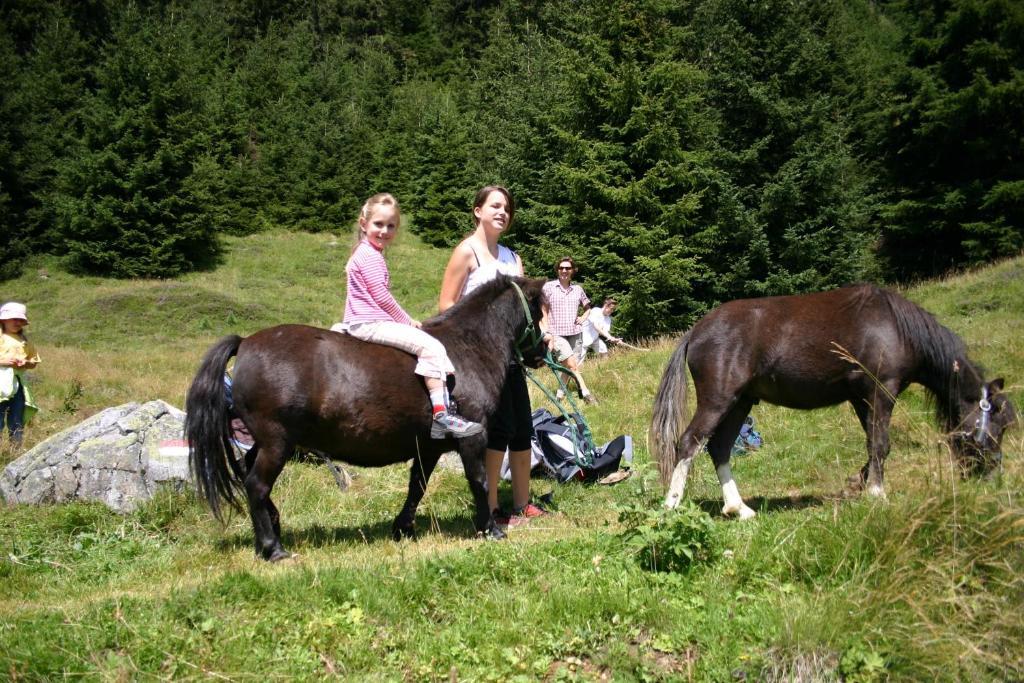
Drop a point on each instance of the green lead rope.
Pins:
(582, 459)
(529, 334)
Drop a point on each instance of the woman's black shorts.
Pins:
(511, 426)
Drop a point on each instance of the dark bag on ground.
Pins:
(557, 454)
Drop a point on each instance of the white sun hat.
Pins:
(13, 311)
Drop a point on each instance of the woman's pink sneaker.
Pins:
(519, 517)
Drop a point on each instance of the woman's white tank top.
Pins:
(485, 272)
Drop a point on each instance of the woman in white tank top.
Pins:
(479, 258)
(507, 263)
(476, 260)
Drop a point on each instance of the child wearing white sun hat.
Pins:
(17, 354)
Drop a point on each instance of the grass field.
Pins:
(928, 585)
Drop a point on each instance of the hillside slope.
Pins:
(106, 341)
(928, 585)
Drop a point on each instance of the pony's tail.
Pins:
(215, 470)
(670, 411)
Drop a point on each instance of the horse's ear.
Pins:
(996, 385)
(535, 286)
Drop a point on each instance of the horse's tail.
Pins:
(217, 473)
(670, 411)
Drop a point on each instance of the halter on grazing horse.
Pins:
(860, 344)
(296, 386)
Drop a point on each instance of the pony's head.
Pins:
(530, 342)
(978, 441)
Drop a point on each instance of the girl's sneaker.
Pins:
(519, 517)
(447, 424)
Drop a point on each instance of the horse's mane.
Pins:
(476, 301)
(947, 374)
(863, 294)
(473, 321)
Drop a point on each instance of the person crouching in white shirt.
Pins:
(597, 328)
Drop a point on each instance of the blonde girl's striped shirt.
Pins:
(369, 297)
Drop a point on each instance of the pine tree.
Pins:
(45, 50)
(448, 175)
(953, 147)
(16, 246)
(785, 145)
(656, 143)
(131, 202)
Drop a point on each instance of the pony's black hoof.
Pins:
(493, 533)
(278, 555)
(400, 532)
(993, 476)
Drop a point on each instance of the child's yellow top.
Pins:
(16, 347)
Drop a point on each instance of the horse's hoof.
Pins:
(493, 533)
(876, 491)
(742, 512)
(399, 532)
(993, 476)
(278, 555)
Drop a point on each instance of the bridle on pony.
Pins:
(529, 333)
(981, 428)
(982, 423)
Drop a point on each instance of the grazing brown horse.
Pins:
(860, 344)
(303, 387)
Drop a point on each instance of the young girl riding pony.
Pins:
(373, 315)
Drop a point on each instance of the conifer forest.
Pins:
(685, 152)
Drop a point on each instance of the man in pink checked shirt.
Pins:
(565, 300)
(564, 318)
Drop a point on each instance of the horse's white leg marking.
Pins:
(734, 504)
(678, 484)
(876, 491)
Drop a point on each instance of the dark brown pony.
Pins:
(299, 387)
(860, 344)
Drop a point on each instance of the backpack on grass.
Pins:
(748, 440)
(562, 450)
